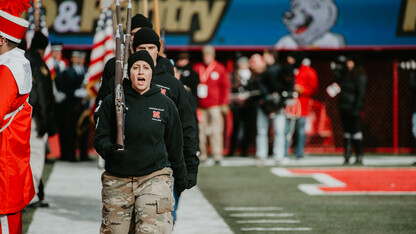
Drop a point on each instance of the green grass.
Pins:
(29, 211)
(257, 186)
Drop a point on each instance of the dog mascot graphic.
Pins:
(309, 23)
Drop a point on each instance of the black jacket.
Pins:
(277, 78)
(41, 96)
(412, 86)
(153, 134)
(174, 89)
(353, 86)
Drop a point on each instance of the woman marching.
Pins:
(138, 180)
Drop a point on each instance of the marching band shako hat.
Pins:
(12, 26)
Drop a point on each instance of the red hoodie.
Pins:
(307, 79)
(214, 86)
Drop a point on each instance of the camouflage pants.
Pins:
(149, 199)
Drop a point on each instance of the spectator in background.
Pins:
(16, 182)
(269, 57)
(243, 106)
(350, 76)
(72, 84)
(60, 66)
(306, 85)
(213, 93)
(412, 86)
(274, 81)
(188, 77)
(43, 117)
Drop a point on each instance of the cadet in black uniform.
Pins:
(139, 177)
(147, 39)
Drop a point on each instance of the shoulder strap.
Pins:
(11, 115)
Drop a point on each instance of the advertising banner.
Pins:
(246, 24)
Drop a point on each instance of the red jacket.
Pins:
(16, 182)
(307, 79)
(214, 85)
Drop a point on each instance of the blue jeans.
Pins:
(299, 135)
(262, 140)
(414, 124)
(175, 207)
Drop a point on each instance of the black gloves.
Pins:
(180, 186)
(116, 153)
(190, 180)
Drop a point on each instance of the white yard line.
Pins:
(269, 221)
(276, 229)
(252, 208)
(261, 215)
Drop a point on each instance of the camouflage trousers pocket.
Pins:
(164, 205)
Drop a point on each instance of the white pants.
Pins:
(37, 157)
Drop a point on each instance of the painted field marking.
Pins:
(252, 208)
(262, 215)
(332, 186)
(281, 229)
(269, 221)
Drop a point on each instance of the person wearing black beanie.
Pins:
(140, 55)
(146, 36)
(146, 39)
(140, 21)
(152, 155)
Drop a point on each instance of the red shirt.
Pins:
(214, 86)
(307, 79)
(16, 182)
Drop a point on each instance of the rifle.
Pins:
(122, 42)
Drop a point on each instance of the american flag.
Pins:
(42, 27)
(102, 51)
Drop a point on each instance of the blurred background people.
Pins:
(350, 76)
(188, 77)
(71, 133)
(213, 93)
(60, 66)
(43, 116)
(412, 86)
(243, 104)
(306, 85)
(274, 81)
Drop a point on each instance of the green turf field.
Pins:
(228, 187)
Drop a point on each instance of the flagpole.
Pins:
(145, 9)
(156, 16)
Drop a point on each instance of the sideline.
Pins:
(74, 195)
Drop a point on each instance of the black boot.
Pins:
(358, 144)
(347, 150)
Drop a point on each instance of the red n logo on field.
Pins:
(156, 114)
(163, 91)
(354, 181)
